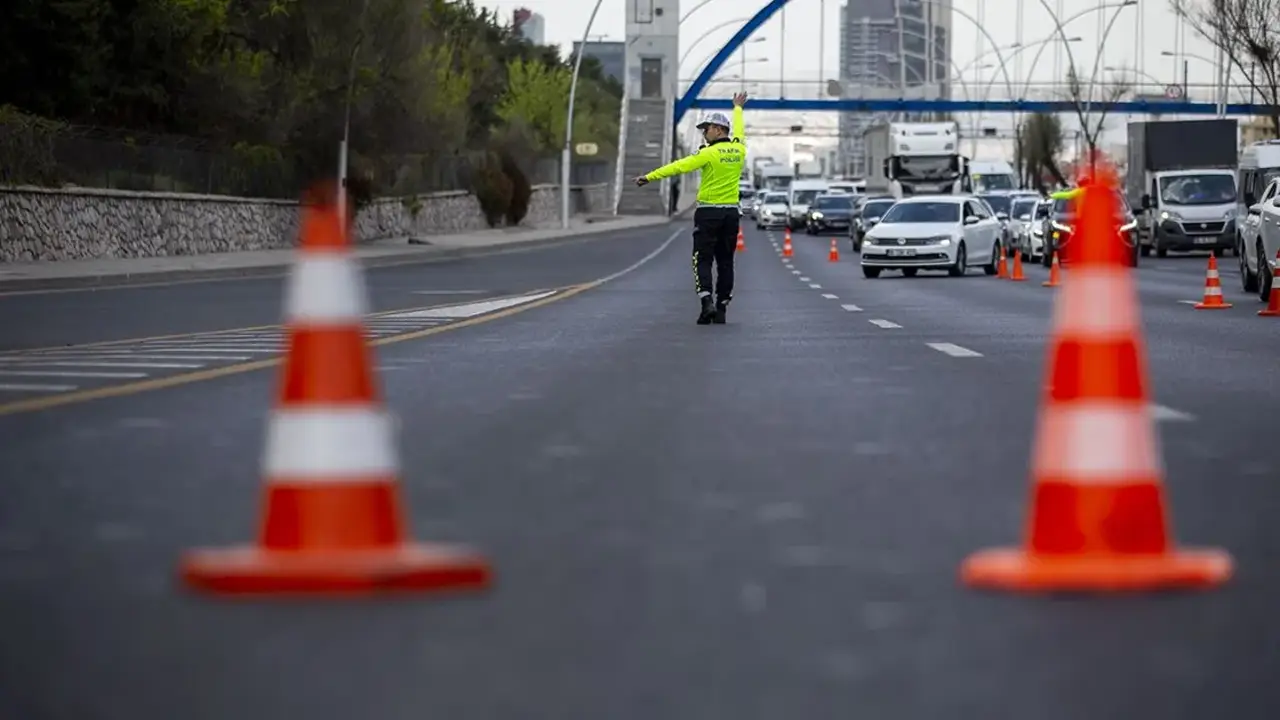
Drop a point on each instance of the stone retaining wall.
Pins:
(83, 223)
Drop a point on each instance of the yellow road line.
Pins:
(82, 396)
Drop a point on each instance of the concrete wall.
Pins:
(82, 223)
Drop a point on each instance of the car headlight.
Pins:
(943, 240)
(1166, 215)
(816, 215)
(871, 241)
(1129, 226)
(1037, 231)
(1061, 228)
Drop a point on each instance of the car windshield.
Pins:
(999, 203)
(993, 182)
(1198, 190)
(831, 201)
(804, 197)
(775, 199)
(1024, 207)
(876, 208)
(1042, 209)
(923, 212)
(1066, 207)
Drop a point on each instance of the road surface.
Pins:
(757, 520)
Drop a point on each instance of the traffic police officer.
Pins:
(715, 222)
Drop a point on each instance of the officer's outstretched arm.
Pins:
(739, 125)
(684, 165)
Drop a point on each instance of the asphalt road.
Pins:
(757, 520)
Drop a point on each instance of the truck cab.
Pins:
(800, 196)
(919, 158)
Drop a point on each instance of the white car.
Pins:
(1030, 241)
(933, 232)
(773, 210)
(1259, 243)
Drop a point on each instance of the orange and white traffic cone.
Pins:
(1098, 517)
(1212, 289)
(1273, 298)
(1054, 279)
(1002, 270)
(742, 241)
(786, 243)
(333, 521)
(834, 254)
(1017, 275)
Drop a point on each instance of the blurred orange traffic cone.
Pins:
(742, 242)
(332, 521)
(1212, 289)
(1017, 275)
(1053, 280)
(834, 254)
(786, 244)
(1002, 270)
(1098, 519)
(1273, 298)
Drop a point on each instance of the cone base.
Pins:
(1206, 306)
(1015, 569)
(1049, 284)
(1015, 279)
(249, 570)
(1269, 313)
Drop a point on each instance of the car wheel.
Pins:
(1265, 277)
(1146, 251)
(870, 273)
(961, 265)
(1162, 253)
(993, 267)
(910, 272)
(1248, 280)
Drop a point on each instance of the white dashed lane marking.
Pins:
(829, 296)
(86, 366)
(887, 325)
(815, 286)
(851, 308)
(804, 279)
(954, 350)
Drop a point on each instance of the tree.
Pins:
(1091, 114)
(1248, 33)
(1042, 143)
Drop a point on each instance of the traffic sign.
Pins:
(586, 148)
(1173, 92)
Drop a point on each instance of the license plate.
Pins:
(1206, 240)
(905, 252)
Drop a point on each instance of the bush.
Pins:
(521, 190)
(493, 190)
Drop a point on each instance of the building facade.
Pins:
(612, 56)
(529, 25)
(900, 48)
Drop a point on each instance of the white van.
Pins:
(802, 193)
(992, 176)
(1259, 165)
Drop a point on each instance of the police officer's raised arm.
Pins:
(739, 124)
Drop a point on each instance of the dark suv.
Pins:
(868, 213)
(829, 212)
(1060, 227)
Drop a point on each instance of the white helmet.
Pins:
(714, 118)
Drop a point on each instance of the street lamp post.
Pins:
(566, 154)
(345, 143)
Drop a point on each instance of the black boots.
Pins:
(722, 309)
(708, 310)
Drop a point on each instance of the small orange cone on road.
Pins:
(1054, 280)
(1002, 270)
(1212, 289)
(1017, 275)
(1273, 297)
(742, 241)
(332, 520)
(786, 245)
(834, 254)
(1098, 520)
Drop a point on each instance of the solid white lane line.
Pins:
(851, 308)
(60, 373)
(829, 296)
(887, 325)
(35, 357)
(954, 350)
(219, 348)
(154, 366)
(24, 387)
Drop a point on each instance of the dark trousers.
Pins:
(715, 239)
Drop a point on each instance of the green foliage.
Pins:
(261, 87)
(493, 190)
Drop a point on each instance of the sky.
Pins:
(1138, 36)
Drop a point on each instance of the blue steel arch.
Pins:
(685, 103)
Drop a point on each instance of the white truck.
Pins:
(808, 170)
(777, 178)
(906, 159)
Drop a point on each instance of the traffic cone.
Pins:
(1273, 298)
(332, 521)
(742, 242)
(1054, 280)
(1017, 275)
(834, 254)
(1002, 271)
(1098, 520)
(786, 244)
(1212, 289)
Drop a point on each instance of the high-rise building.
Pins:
(612, 56)
(899, 47)
(529, 25)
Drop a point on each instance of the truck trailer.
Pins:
(1181, 177)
